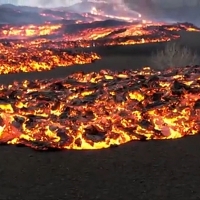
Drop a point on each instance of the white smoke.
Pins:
(51, 3)
(62, 3)
(119, 7)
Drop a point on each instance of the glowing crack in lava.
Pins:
(98, 110)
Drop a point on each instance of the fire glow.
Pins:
(95, 110)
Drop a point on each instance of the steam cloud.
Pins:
(52, 3)
(153, 12)
(63, 3)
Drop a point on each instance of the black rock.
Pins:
(4, 100)
(19, 119)
(153, 78)
(157, 96)
(197, 104)
(1, 121)
(145, 124)
(89, 115)
(56, 105)
(120, 98)
(90, 98)
(63, 135)
(155, 105)
(57, 86)
(158, 133)
(65, 113)
(94, 135)
(13, 94)
(140, 77)
(178, 86)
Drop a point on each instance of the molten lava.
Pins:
(15, 58)
(98, 110)
(31, 47)
(95, 110)
(81, 32)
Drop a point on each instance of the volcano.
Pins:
(90, 110)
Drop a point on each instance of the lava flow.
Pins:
(99, 110)
(17, 58)
(59, 37)
(44, 47)
(95, 110)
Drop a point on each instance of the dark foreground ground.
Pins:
(137, 170)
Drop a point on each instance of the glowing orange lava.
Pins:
(28, 48)
(98, 110)
(17, 58)
(95, 110)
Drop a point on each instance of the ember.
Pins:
(98, 110)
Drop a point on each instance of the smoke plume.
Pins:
(52, 3)
(64, 3)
